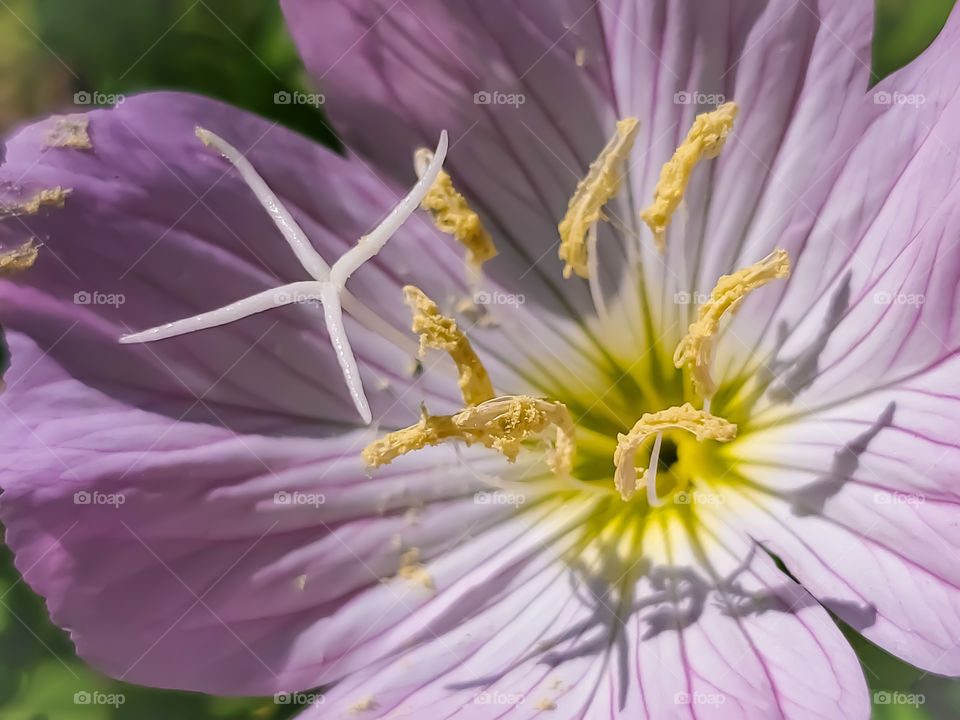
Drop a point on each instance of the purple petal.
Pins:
(157, 227)
(582, 67)
(416, 68)
(165, 549)
(156, 218)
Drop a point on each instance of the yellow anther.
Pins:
(412, 571)
(365, 705)
(684, 417)
(18, 259)
(503, 424)
(441, 332)
(705, 140)
(601, 184)
(695, 350)
(70, 131)
(51, 198)
(453, 215)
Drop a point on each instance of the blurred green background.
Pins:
(239, 51)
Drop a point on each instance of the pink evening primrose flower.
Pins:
(637, 296)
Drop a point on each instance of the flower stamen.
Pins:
(706, 139)
(503, 424)
(695, 350)
(441, 332)
(453, 215)
(601, 184)
(50, 198)
(19, 259)
(700, 423)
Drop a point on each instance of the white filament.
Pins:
(593, 270)
(652, 473)
(328, 284)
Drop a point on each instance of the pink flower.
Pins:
(196, 510)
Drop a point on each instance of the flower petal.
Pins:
(215, 583)
(525, 120)
(848, 448)
(715, 628)
(202, 587)
(184, 555)
(871, 297)
(861, 504)
(155, 227)
(797, 72)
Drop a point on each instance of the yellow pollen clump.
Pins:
(502, 423)
(70, 131)
(684, 417)
(705, 140)
(452, 214)
(695, 350)
(18, 259)
(601, 184)
(441, 332)
(53, 198)
(412, 571)
(365, 705)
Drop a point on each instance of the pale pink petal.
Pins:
(188, 559)
(861, 503)
(712, 628)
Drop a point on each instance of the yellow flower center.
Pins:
(651, 401)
